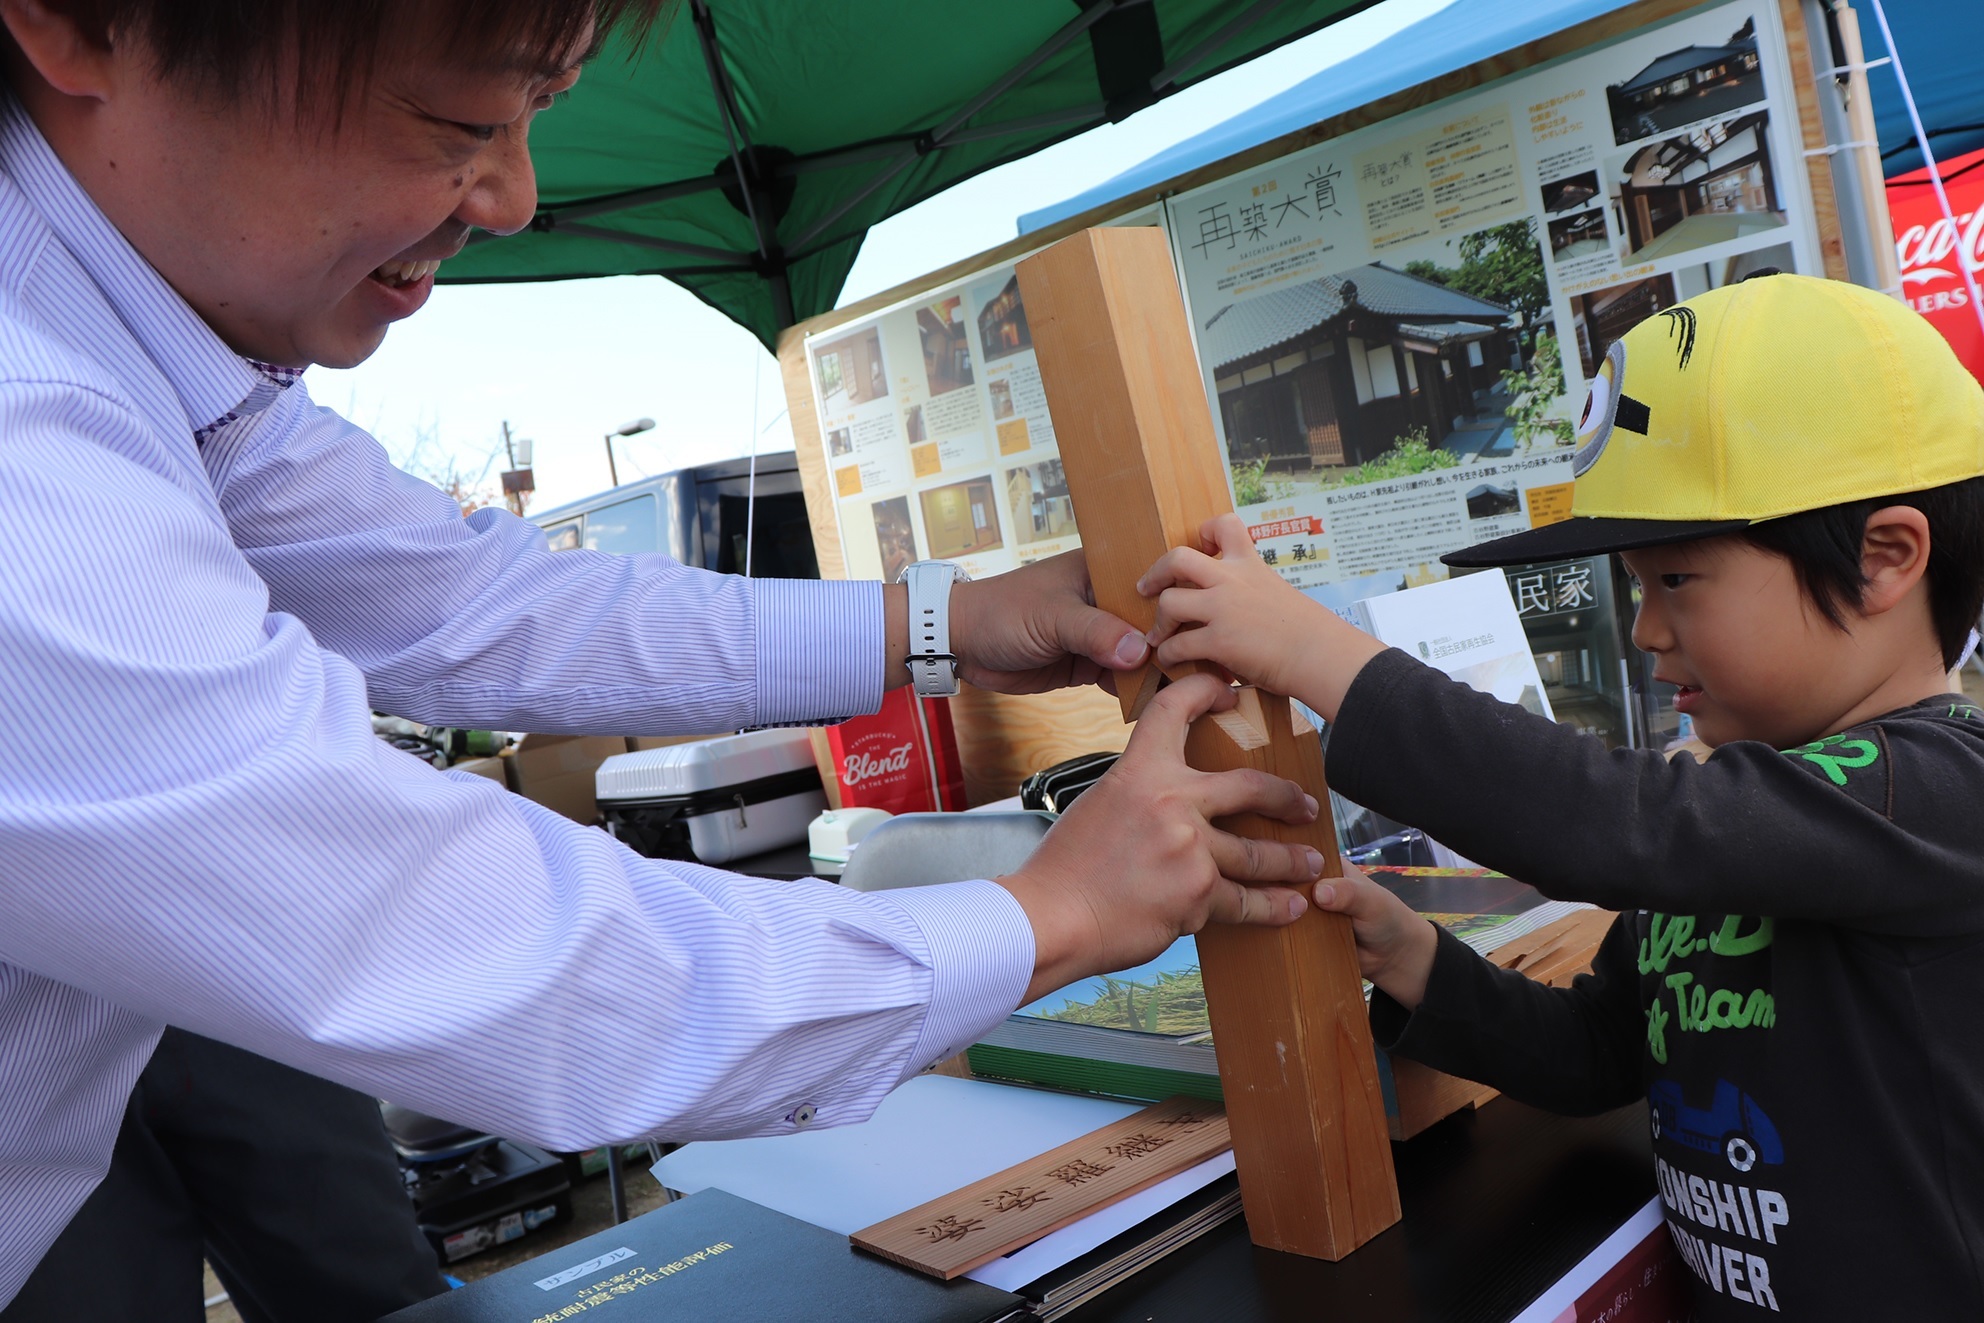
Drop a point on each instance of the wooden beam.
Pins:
(1295, 1055)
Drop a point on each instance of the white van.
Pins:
(699, 516)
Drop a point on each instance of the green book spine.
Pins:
(1080, 1075)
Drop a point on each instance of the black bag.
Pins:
(1054, 788)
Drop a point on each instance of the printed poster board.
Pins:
(1398, 323)
(937, 433)
(1003, 739)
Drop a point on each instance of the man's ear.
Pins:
(69, 59)
(1894, 555)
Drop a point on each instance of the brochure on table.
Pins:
(1482, 252)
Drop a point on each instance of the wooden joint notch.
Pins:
(1143, 466)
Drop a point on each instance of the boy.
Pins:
(1789, 468)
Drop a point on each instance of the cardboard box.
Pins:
(496, 767)
(557, 771)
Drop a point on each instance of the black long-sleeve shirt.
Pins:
(1795, 982)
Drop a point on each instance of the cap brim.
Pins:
(1568, 539)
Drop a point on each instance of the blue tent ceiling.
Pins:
(1942, 43)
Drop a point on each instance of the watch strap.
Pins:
(933, 668)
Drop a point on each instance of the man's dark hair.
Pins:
(1824, 546)
(228, 47)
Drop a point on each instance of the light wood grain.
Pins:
(1427, 1097)
(957, 1232)
(1812, 133)
(816, 481)
(1122, 381)
(1296, 1062)
(1295, 1056)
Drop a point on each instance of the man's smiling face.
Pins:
(299, 229)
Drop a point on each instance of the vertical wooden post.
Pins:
(1287, 1007)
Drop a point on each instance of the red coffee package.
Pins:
(903, 759)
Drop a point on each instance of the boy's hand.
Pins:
(1224, 605)
(1394, 945)
(1135, 862)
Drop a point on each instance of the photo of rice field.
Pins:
(1171, 1002)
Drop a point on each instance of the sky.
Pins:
(565, 362)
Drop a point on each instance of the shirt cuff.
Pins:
(820, 650)
(981, 959)
(1447, 1001)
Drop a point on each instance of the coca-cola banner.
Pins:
(1931, 250)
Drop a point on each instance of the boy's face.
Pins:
(301, 243)
(1730, 625)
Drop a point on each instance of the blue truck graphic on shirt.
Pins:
(1732, 1124)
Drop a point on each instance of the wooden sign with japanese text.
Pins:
(953, 1234)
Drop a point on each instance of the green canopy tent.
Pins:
(745, 152)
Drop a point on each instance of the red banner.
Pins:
(903, 759)
(1930, 250)
(1285, 528)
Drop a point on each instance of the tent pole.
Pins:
(781, 296)
(1246, 18)
(734, 132)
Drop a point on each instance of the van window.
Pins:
(782, 540)
(563, 536)
(627, 527)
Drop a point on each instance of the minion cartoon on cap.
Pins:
(1769, 397)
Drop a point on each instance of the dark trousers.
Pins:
(285, 1182)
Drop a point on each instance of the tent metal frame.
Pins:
(754, 179)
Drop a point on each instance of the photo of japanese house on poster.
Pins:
(1397, 325)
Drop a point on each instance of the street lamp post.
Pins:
(635, 428)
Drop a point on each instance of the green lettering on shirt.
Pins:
(1725, 941)
(1701, 1009)
(1847, 754)
(1669, 937)
(1656, 1031)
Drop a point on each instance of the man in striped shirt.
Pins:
(221, 580)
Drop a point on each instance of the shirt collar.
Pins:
(210, 379)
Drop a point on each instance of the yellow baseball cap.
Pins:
(1769, 397)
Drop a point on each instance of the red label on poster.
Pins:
(903, 759)
(1285, 528)
(1933, 253)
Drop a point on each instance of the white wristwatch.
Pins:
(933, 667)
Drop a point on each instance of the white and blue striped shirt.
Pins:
(198, 827)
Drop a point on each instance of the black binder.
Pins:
(707, 1257)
